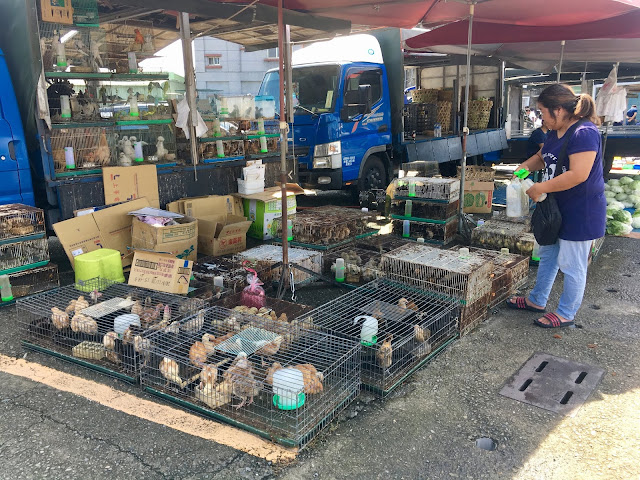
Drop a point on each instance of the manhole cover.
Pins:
(553, 383)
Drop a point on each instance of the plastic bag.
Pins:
(253, 294)
(517, 199)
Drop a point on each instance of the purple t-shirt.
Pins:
(583, 207)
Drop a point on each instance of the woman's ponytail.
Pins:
(586, 108)
(561, 96)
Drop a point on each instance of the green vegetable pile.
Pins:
(622, 193)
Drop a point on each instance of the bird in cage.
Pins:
(266, 348)
(198, 354)
(214, 396)
(384, 354)
(209, 373)
(139, 40)
(84, 324)
(161, 152)
(109, 340)
(405, 304)
(170, 370)
(102, 153)
(209, 342)
(422, 336)
(59, 318)
(244, 384)
(143, 347)
(195, 324)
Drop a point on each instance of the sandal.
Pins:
(555, 321)
(520, 303)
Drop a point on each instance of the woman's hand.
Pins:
(535, 191)
(520, 167)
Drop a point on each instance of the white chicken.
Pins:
(170, 370)
(109, 340)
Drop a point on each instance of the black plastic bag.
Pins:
(546, 221)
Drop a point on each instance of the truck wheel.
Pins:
(373, 175)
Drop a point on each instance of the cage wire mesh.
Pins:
(34, 280)
(433, 188)
(18, 255)
(158, 142)
(84, 47)
(361, 266)
(17, 220)
(425, 209)
(226, 365)
(437, 233)
(233, 271)
(125, 37)
(101, 323)
(272, 255)
(382, 243)
(413, 324)
(93, 147)
(495, 234)
(273, 307)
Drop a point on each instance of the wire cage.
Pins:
(374, 199)
(272, 255)
(473, 314)
(91, 147)
(83, 47)
(413, 324)
(361, 266)
(502, 217)
(424, 209)
(229, 366)
(382, 243)
(478, 173)
(438, 233)
(17, 220)
(230, 148)
(328, 226)
(34, 280)
(275, 305)
(494, 234)
(124, 37)
(23, 254)
(465, 278)
(99, 324)
(432, 188)
(232, 270)
(158, 143)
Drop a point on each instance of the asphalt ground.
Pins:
(62, 421)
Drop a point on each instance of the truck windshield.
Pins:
(314, 88)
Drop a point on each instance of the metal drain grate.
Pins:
(553, 383)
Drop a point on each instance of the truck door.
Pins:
(362, 127)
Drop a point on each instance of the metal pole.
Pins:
(288, 68)
(283, 143)
(561, 59)
(189, 81)
(465, 129)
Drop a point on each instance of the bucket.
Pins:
(288, 389)
(104, 263)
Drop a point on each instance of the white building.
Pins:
(226, 68)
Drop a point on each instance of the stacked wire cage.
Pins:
(510, 272)
(271, 255)
(158, 141)
(361, 265)
(418, 118)
(412, 325)
(495, 235)
(34, 280)
(22, 254)
(99, 324)
(464, 277)
(233, 270)
(277, 379)
(329, 227)
(17, 220)
(92, 147)
(445, 190)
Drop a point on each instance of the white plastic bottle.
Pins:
(514, 199)
(527, 184)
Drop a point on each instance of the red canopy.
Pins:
(409, 13)
(626, 25)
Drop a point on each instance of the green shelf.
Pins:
(424, 220)
(79, 173)
(105, 76)
(62, 126)
(237, 137)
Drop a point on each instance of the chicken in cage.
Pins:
(242, 369)
(125, 38)
(398, 325)
(98, 320)
(424, 209)
(18, 255)
(90, 147)
(274, 309)
(154, 143)
(272, 255)
(230, 148)
(445, 189)
(233, 270)
(440, 233)
(17, 220)
(382, 243)
(361, 266)
(34, 280)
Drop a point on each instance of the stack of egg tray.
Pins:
(329, 227)
(510, 272)
(91, 340)
(271, 255)
(445, 190)
(279, 307)
(361, 266)
(467, 279)
(233, 270)
(495, 234)
(414, 324)
(439, 233)
(232, 378)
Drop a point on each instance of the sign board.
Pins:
(160, 272)
(128, 183)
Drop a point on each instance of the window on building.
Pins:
(213, 61)
(272, 53)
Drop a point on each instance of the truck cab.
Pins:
(16, 185)
(342, 117)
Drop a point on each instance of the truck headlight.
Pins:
(327, 155)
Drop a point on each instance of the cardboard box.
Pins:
(108, 228)
(129, 183)
(209, 205)
(161, 272)
(263, 208)
(180, 240)
(478, 197)
(222, 234)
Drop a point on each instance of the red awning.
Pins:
(626, 25)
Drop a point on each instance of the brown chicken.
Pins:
(83, 324)
(244, 384)
(385, 353)
(136, 308)
(170, 370)
(198, 354)
(214, 395)
(268, 349)
(59, 318)
(209, 373)
(405, 304)
(77, 305)
(109, 340)
(209, 343)
(421, 336)
(150, 315)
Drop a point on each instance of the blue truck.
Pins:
(348, 124)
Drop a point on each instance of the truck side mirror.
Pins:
(364, 94)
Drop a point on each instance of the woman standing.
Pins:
(579, 191)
